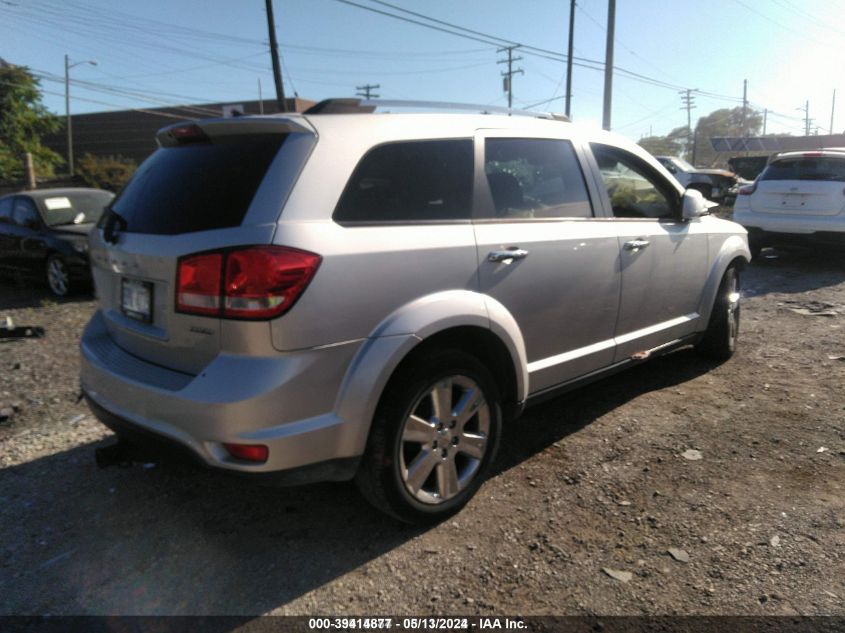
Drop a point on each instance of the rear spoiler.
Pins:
(206, 129)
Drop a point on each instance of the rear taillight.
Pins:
(747, 190)
(256, 282)
(198, 284)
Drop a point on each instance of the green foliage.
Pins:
(724, 122)
(23, 120)
(109, 172)
(672, 144)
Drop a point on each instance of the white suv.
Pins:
(799, 197)
(336, 295)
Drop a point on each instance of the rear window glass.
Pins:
(806, 169)
(535, 178)
(84, 207)
(196, 187)
(413, 181)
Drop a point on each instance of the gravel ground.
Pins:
(679, 487)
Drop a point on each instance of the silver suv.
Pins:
(370, 295)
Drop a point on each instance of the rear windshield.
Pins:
(82, 207)
(806, 169)
(197, 186)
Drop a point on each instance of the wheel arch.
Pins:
(733, 252)
(463, 320)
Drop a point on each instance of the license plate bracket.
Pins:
(136, 299)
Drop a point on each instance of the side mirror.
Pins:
(694, 204)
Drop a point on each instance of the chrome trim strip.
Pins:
(551, 361)
(652, 329)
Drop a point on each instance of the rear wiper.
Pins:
(112, 224)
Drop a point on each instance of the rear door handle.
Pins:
(507, 256)
(635, 245)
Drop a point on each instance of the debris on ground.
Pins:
(678, 554)
(617, 574)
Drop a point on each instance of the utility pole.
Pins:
(832, 110)
(569, 59)
(274, 55)
(608, 64)
(765, 117)
(744, 107)
(68, 122)
(508, 75)
(806, 109)
(367, 91)
(260, 98)
(689, 103)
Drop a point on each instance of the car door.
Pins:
(6, 234)
(543, 255)
(28, 250)
(663, 259)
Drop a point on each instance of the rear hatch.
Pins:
(211, 185)
(803, 185)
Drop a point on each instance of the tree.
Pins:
(670, 145)
(109, 172)
(724, 122)
(23, 120)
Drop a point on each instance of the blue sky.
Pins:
(163, 52)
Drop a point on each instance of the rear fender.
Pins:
(397, 335)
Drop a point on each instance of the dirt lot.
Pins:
(596, 480)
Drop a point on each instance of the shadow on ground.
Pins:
(173, 540)
(16, 293)
(794, 270)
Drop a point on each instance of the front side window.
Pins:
(634, 190)
(6, 210)
(24, 213)
(410, 182)
(535, 178)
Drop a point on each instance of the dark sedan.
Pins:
(44, 234)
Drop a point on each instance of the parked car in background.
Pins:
(369, 295)
(798, 198)
(43, 234)
(718, 185)
(748, 167)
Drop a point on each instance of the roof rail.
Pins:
(365, 106)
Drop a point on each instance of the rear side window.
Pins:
(410, 182)
(535, 178)
(806, 169)
(197, 186)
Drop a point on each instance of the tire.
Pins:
(423, 469)
(58, 276)
(719, 340)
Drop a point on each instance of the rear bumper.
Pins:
(771, 238)
(284, 401)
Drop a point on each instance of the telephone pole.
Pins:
(366, 91)
(569, 59)
(508, 75)
(689, 103)
(608, 64)
(765, 117)
(807, 118)
(274, 55)
(744, 107)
